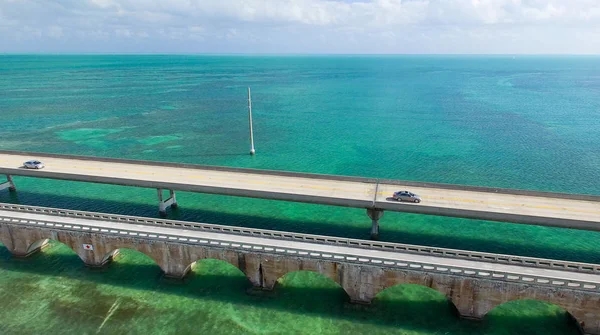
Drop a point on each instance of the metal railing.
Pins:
(329, 256)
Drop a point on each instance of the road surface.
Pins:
(580, 212)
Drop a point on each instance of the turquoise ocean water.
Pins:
(521, 122)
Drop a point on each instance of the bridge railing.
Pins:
(331, 240)
(329, 256)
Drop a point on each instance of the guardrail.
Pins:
(336, 257)
(330, 240)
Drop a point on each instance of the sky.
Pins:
(301, 26)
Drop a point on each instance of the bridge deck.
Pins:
(307, 247)
(581, 212)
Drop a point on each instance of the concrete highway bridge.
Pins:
(518, 206)
(473, 282)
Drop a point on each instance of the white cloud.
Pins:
(285, 25)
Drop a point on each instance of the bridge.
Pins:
(518, 206)
(473, 282)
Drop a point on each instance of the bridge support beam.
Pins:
(164, 203)
(8, 184)
(375, 215)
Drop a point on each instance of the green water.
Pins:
(528, 122)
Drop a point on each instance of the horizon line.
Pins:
(279, 54)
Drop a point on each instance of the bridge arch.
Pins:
(5, 241)
(27, 247)
(197, 256)
(92, 255)
(310, 285)
(94, 251)
(217, 273)
(56, 252)
(32, 247)
(541, 315)
(416, 301)
(130, 260)
(107, 252)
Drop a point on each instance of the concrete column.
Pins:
(375, 215)
(175, 260)
(465, 296)
(173, 198)
(361, 283)
(8, 184)
(263, 271)
(163, 204)
(256, 272)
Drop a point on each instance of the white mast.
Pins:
(252, 151)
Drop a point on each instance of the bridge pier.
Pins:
(97, 260)
(32, 249)
(8, 184)
(164, 203)
(22, 242)
(176, 270)
(375, 215)
(361, 283)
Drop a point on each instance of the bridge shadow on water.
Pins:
(400, 309)
(389, 233)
